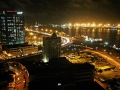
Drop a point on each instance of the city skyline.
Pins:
(73, 60)
(41, 57)
(73, 11)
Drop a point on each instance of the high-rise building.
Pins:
(51, 47)
(12, 27)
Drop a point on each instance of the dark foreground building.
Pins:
(60, 74)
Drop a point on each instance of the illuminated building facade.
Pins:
(19, 50)
(12, 27)
(51, 47)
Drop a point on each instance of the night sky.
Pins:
(66, 11)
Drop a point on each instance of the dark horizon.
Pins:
(66, 11)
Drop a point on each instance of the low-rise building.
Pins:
(28, 50)
(13, 52)
(21, 50)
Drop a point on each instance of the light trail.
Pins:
(67, 40)
(65, 43)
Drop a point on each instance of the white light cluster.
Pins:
(19, 12)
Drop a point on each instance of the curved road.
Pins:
(108, 58)
(68, 41)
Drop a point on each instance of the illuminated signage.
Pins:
(11, 11)
(19, 12)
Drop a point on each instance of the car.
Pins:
(102, 80)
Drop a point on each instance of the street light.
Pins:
(31, 33)
(34, 37)
(56, 31)
(104, 50)
(46, 30)
(50, 31)
(110, 53)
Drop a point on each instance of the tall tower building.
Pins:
(12, 27)
(51, 47)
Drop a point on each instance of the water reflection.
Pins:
(112, 37)
(108, 35)
(77, 32)
(118, 32)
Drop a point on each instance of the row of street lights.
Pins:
(33, 35)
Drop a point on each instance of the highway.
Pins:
(67, 40)
(101, 84)
(20, 76)
(108, 58)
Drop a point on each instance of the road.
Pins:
(67, 40)
(108, 58)
(21, 77)
(101, 84)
